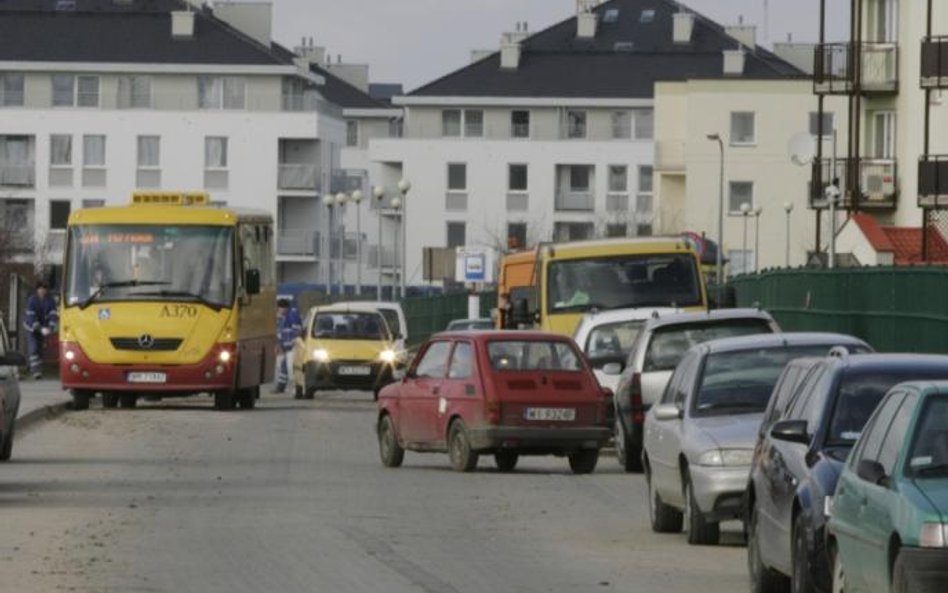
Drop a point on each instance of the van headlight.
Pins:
(321, 355)
(726, 458)
(388, 356)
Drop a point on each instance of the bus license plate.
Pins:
(551, 414)
(355, 371)
(147, 378)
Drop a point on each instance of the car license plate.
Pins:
(355, 371)
(552, 414)
(147, 378)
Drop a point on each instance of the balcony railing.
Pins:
(455, 201)
(670, 155)
(617, 202)
(574, 201)
(873, 186)
(933, 182)
(388, 257)
(300, 243)
(298, 176)
(935, 63)
(518, 202)
(846, 68)
(17, 175)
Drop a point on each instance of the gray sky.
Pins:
(417, 41)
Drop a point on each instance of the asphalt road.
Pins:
(291, 497)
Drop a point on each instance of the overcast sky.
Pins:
(417, 41)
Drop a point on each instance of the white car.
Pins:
(606, 339)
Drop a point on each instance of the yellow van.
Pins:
(346, 346)
(553, 286)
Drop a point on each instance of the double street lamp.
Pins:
(399, 244)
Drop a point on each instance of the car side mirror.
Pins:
(872, 472)
(613, 369)
(668, 412)
(12, 359)
(791, 431)
(252, 281)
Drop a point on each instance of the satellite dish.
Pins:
(801, 149)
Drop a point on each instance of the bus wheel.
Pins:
(110, 400)
(224, 400)
(128, 401)
(247, 398)
(80, 399)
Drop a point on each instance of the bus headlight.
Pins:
(70, 355)
(321, 355)
(388, 356)
(224, 356)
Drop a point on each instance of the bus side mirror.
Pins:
(252, 281)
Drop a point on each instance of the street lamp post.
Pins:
(745, 212)
(788, 208)
(328, 201)
(719, 264)
(341, 204)
(357, 200)
(379, 194)
(757, 212)
(404, 186)
(396, 205)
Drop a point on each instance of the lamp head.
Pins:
(758, 211)
(396, 203)
(341, 199)
(788, 207)
(328, 200)
(745, 208)
(378, 192)
(404, 185)
(714, 137)
(356, 197)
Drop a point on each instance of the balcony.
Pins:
(16, 175)
(574, 201)
(935, 63)
(455, 201)
(933, 182)
(617, 202)
(670, 155)
(873, 187)
(518, 202)
(389, 257)
(849, 68)
(298, 244)
(298, 176)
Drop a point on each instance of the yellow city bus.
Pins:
(168, 297)
(553, 286)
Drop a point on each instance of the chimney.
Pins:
(684, 26)
(734, 62)
(510, 48)
(182, 24)
(745, 34)
(586, 19)
(253, 19)
(310, 53)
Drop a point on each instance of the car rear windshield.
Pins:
(613, 340)
(514, 355)
(350, 326)
(669, 344)
(860, 391)
(929, 454)
(741, 382)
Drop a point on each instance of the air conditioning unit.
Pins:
(877, 186)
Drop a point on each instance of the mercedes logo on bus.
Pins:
(145, 341)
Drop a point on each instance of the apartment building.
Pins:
(553, 136)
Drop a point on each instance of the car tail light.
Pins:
(635, 399)
(493, 411)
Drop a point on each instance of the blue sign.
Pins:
(475, 267)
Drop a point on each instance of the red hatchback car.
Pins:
(496, 392)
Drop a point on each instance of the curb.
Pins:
(34, 417)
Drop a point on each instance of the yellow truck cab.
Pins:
(168, 297)
(553, 286)
(344, 346)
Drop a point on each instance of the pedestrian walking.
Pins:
(40, 321)
(289, 327)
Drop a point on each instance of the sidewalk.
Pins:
(40, 399)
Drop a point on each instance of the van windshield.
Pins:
(656, 280)
(350, 326)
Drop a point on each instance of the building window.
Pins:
(215, 152)
(644, 124)
(516, 235)
(134, 92)
(149, 161)
(616, 230)
(352, 133)
(72, 91)
(645, 178)
(17, 161)
(451, 123)
(87, 94)
(573, 231)
(457, 177)
(93, 203)
(743, 128)
(396, 127)
(221, 92)
(575, 124)
(618, 179)
(12, 90)
(828, 123)
(517, 178)
(473, 123)
(883, 123)
(621, 125)
(457, 235)
(60, 150)
(579, 178)
(93, 151)
(59, 214)
(520, 124)
(643, 229)
(742, 192)
(64, 90)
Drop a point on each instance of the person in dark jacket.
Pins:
(289, 327)
(41, 320)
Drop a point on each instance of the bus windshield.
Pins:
(625, 282)
(149, 263)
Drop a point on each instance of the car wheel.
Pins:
(665, 519)
(390, 451)
(224, 400)
(128, 401)
(629, 456)
(901, 580)
(80, 399)
(6, 452)
(110, 400)
(463, 459)
(583, 461)
(801, 579)
(701, 532)
(762, 578)
(839, 577)
(506, 460)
